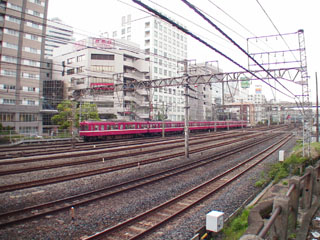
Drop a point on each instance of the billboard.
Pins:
(258, 89)
(245, 83)
(103, 43)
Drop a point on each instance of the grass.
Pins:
(237, 227)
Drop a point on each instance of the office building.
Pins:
(164, 46)
(23, 27)
(91, 70)
(58, 34)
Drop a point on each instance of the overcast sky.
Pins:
(97, 16)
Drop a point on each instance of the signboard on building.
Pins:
(258, 89)
(103, 43)
(245, 83)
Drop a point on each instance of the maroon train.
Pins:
(91, 131)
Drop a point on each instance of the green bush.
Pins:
(237, 227)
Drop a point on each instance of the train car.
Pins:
(91, 131)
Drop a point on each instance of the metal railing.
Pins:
(283, 219)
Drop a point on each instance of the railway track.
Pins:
(73, 162)
(96, 147)
(147, 222)
(52, 207)
(18, 186)
(45, 149)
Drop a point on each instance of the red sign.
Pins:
(103, 43)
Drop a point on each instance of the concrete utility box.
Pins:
(281, 155)
(214, 221)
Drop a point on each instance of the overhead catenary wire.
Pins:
(230, 39)
(202, 41)
(281, 35)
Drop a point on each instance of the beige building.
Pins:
(22, 27)
(91, 69)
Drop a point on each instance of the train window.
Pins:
(138, 126)
(111, 127)
(120, 126)
(96, 127)
(102, 127)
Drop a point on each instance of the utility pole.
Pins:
(317, 110)
(163, 118)
(186, 119)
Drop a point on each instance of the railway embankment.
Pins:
(289, 208)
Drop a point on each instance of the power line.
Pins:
(238, 46)
(265, 12)
(202, 41)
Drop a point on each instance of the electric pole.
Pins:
(186, 119)
(317, 110)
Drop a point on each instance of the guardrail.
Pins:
(285, 207)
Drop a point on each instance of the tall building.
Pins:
(23, 28)
(91, 69)
(58, 34)
(164, 46)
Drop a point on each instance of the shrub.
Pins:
(237, 227)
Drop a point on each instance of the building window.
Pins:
(13, 19)
(32, 50)
(32, 37)
(30, 75)
(80, 69)
(27, 117)
(14, 7)
(28, 129)
(10, 45)
(70, 71)
(34, 25)
(102, 68)
(9, 101)
(9, 73)
(70, 60)
(37, 2)
(7, 87)
(31, 63)
(11, 32)
(81, 58)
(9, 59)
(35, 13)
(102, 56)
(6, 117)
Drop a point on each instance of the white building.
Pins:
(58, 34)
(259, 101)
(164, 46)
(91, 68)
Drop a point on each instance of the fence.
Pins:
(285, 208)
(10, 136)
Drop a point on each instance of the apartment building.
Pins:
(164, 46)
(23, 28)
(92, 68)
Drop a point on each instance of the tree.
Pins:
(68, 114)
(87, 111)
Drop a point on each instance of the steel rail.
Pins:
(192, 199)
(18, 186)
(32, 212)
